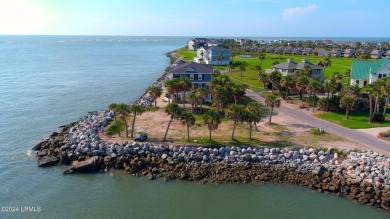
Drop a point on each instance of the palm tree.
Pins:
(185, 86)
(174, 111)
(202, 55)
(261, 57)
(301, 83)
(272, 101)
(307, 69)
(288, 84)
(136, 110)
(254, 113)
(155, 92)
(325, 63)
(386, 90)
(263, 77)
(237, 91)
(187, 119)
(201, 93)
(235, 113)
(123, 111)
(347, 101)
(314, 88)
(220, 97)
(192, 99)
(348, 74)
(370, 89)
(274, 78)
(114, 108)
(211, 119)
(169, 88)
(329, 87)
(221, 57)
(242, 69)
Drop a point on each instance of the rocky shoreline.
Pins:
(360, 176)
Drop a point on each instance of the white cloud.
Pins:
(298, 11)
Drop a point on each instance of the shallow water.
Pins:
(48, 81)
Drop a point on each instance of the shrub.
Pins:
(334, 104)
(361, 105)
(310, 101)
(113, 129)
(378, 117)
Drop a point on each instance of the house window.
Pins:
(191, 77)
(176, 76)
(380, 76)
(200, 77)
(365, 83)
(195, 77)
(384, 75)
(357, 81)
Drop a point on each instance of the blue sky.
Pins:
(288, 18)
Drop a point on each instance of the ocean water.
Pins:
(48, 81)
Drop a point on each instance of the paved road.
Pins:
(354, 135)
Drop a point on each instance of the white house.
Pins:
(214, 55)
(290, 67)
(367, 72)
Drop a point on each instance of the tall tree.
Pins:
(348, 74)
(135, 110)
(346, 102)
(287, 83)
(329, 87)
(255, 111)
(169, 88)
(187, 119)
(370, 89)
(261, 56)
(274, 78)
(155, 92)
(220, 97)
(235, 113)
(114, 108)
(185, 86)
(211, 119)
(124, 111)
(308, 70)
(386, 91)
(263, 77)
(237, 91)
(301, 84)
(242, 69)
(174, 111)
(193, 100)
(326, 63)
(201, 93)
(314, 88)
(272, 101)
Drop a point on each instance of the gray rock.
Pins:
(164, 156)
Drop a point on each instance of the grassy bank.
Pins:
(356, 120)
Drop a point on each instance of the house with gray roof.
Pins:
(306, 51)
(376, 54)
(290, 67)
(199, 74)
(195, 43)
(348, 53)
(210, 55)
(367, 72)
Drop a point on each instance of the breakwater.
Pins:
(360, 176)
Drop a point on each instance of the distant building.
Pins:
(376, 54)
(199, 74)
(367, 72)
(348, 53)
(290, 67)
(209, 55)
(195, 43)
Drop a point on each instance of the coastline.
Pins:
(320, 170)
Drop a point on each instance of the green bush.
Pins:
(378, 117)
(113, 129)
(334, 104)
(310, 100)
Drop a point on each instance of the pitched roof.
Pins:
(303, 63)
(362, 69)
(192, 67)
(286, 65)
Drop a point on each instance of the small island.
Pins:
(213, 117)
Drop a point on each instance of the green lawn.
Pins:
(356, 120)
(250, 75)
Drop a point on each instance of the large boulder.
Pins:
(48, 161)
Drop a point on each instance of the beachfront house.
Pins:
(367, 72)
(199, 74)
(290, 67)
(214, 55)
